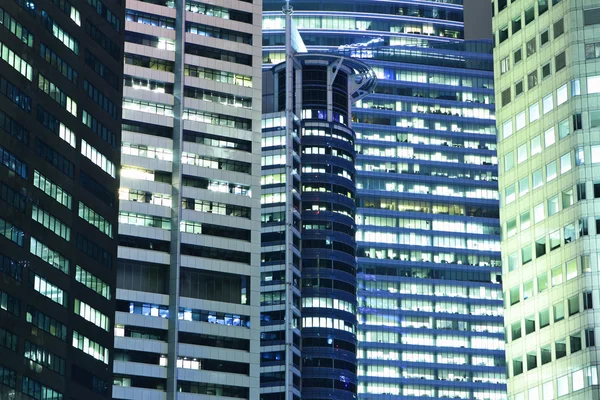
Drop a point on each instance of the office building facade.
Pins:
(428, 274)
(60, 119)
(187, 320)
(547, 80)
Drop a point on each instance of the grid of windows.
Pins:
(61, 34)
(17, 96)
(16, 62)
(98, 128)
(13, 163)
(106, 13)
(48, 255)
(11, 232)
(15, 27)
(43, 357)
(10, 304)
(46, 323)
(57, 95)
(46, 289)
(52, 189)
(97, 158)
(90, 347)
(92, 315)
(58, 63)
(55, 126)
(38, 391)
(92, 282)
(95, 219)
(8, 377)
(50, 222)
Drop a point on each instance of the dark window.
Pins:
(14, 94)
(542, 6)
(531, 47)
(8, 377)
(97, 189)
(590, 338)
(142, 276)
(577, 122)
(94, 251)
(218, 54)
(588, 303)
(98, 128)
(546, 354)
(581, 191)
(55, 158)
(573, 305)
(13, 128)
(518, 88)
(532, 80)
(214, 389)
(544, 37)
(215, 286)
(58, 63)
(98, 66)
(89, 380)
(12, 197)
(530, 324)
(546, 70)
(531, 360)
(560, 349)
(517, 23)
(99, 98)
(151, 63)
(503, 34)
(10, 304)
(8, 340)
(596, 190)
(220, 33)
(540, 247)
(106, 13)
(575, 341)
(518, 56)
(583, 227)
(529, 15)
(13, 163)
(148, 129)
(560, 61)
(591, 16)
(506, 97)
(38, 391)
(544, 318)
(517, 366)
(559, 28)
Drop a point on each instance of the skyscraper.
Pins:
(546, 66)
(188, 291)
(429, 284)
(60, 86)
(308, 297)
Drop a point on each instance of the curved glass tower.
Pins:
(321, 210)
(427, 233)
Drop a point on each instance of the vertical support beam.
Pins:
(289, 206)
(176, 185)
(332, 71)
